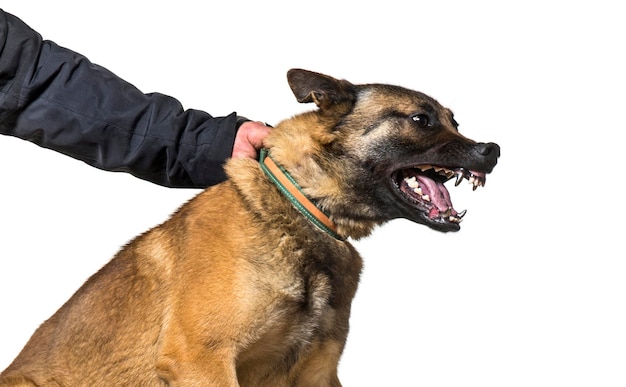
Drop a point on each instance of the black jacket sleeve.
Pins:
(57, 99)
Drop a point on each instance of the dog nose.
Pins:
(488, 155)
(490, 149)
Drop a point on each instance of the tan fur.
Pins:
(237, 287)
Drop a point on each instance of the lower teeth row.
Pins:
(414, 185)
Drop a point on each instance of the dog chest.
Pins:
(310, 305)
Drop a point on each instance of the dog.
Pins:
(250, 283)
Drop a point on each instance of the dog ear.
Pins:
(325, 91)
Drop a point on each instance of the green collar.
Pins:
(292, 191)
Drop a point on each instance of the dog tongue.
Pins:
(438, 194)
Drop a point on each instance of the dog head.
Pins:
(373, 152)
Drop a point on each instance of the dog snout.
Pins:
(489, 152)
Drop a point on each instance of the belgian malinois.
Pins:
(250, 283)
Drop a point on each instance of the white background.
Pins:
(531, 291)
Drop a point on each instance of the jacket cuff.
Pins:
(240, 121)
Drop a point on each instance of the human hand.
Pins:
(249, 139)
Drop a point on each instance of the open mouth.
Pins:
(422, 187)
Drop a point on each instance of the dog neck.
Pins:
(292, 191)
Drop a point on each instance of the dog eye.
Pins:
(422, 120)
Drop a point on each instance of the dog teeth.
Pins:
(448, 173)
(415, 186)
(425, 168)
(475, 181)
(412, 183)
(454, 219)
(440, 170)
(458, 218)
(460, 173)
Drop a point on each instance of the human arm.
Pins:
(58, 99)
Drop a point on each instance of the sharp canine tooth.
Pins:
(459, 179)
(461, 214)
